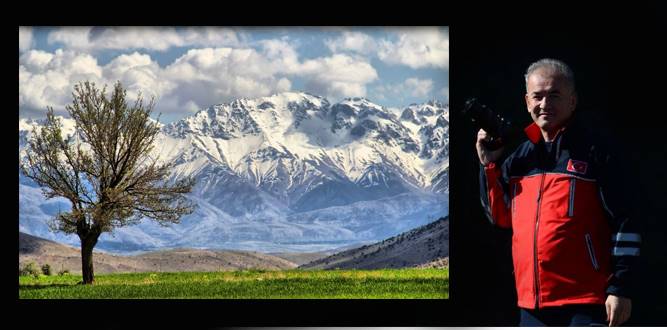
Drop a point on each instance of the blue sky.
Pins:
(188, 69)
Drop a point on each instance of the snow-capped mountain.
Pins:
(288, 172)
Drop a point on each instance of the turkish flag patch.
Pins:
(577, 166)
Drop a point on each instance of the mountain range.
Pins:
(291, 172)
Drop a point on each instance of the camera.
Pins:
(499, 128)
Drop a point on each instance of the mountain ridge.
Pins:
(271, 160)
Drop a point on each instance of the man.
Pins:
(573, 246)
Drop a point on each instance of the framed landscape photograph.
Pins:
(233, 163)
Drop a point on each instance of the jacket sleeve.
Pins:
(616, 194)
(493, 189)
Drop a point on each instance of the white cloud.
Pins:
(150, 38)
(284, 85)
(352, 41)
(378, 93)
(138, 72)
(334, 76)
(282, 55)
(413, 87)
(338, 76)
(387, 91)
(45, 79)
(36, 60)
(340, 68)
(210, 37)
(445, 92)
(419, 87)
(48, 79)
(25, 38)
(417, 48)
(71, 37)
(209, 76)
(191, 106)
(197, 79)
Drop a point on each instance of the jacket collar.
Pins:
(535, 134)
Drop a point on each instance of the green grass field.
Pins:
(247, 284)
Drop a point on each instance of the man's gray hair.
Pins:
(559, 67)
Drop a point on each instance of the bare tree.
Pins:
(105, 169)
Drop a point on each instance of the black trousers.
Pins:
(565, 316)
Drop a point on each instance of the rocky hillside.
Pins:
(426, 246)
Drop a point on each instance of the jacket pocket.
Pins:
(591, 252)
(570, 204)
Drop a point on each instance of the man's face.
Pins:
(550, 99)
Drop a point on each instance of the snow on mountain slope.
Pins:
(291, 169)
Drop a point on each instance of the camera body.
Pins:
(498, 128)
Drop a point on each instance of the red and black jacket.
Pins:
(567, 206)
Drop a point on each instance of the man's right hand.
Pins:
(485, 155)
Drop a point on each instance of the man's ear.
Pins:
(526, 98)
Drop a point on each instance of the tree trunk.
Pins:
(87, 244)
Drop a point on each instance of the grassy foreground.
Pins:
(251, 284)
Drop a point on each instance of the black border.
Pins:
(480, 281)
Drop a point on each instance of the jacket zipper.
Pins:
(591, 252)
(537, 222)
(514, 199)
(570, 210)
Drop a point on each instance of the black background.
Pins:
(615, 66)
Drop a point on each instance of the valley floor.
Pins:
(407, 283)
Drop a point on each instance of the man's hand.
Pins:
(485, 155)
(618, 310)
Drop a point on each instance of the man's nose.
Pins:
(543, 103)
